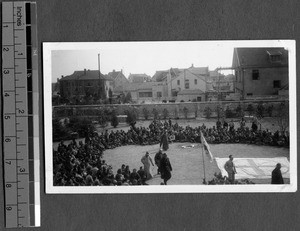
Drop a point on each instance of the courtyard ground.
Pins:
(187, 163)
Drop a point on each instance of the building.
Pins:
(260, 72)
(190, 84)
(83, 84)
(119, 79)
(139, 78)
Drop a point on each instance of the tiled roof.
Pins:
(259, 57)
(83, 75)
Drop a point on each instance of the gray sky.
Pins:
(144, 57)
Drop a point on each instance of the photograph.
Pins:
(170, 116)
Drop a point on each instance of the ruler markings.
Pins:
(17, 38)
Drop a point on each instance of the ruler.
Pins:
(20, 114)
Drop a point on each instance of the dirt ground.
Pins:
(187, 163)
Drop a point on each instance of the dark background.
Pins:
(110, 20)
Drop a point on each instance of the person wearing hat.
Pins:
(276, 175)
(147, 160)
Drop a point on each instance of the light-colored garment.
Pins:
(147, 161)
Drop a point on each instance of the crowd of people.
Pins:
(82, 163)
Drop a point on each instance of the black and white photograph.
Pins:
(170, 116)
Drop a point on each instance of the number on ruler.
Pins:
(6, 94)
(7, 117)
(21, 111)
(5, 71)
(8, 162)
(5, 49)
(8, 208)
(22, 170)
(8, 185)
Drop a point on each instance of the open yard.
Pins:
(188, 163)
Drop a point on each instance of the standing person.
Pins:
(225, 124)
(165, 168)
(157, 159)
(243, 123)
(164, 141)
(147, 160)
(230, 169)
(231, 126)
(276, 175)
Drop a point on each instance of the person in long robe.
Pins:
(147, 161)
(276, 175)
(165, 168)
(164, 141)
(157, 159)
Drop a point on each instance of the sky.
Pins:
(141, 57)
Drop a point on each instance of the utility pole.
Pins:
(99, 88)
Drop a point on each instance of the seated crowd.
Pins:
(82, 164)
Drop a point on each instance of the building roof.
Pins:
(190, 92)
(162, 75)
(84, 75)
(259, 57)
(139, 78)
(199, 71)
(114, 74)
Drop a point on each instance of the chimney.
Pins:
(114, 70)
(84, 71)
(192, 65)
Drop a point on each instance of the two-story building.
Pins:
(83, 84)
(260, 71)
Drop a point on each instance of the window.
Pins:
(159, 94)
(178, 82)
(145, 94)
(275, 56)
(255, 75)
(187, 84)
(276, 84)
(250, 94)
(199, 98)
(195, 81)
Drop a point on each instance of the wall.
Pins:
(263, 86)
(174, 109)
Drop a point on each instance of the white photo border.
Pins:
(290, 45)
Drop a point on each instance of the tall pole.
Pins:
(204, 180)
(99, 88)
(202, 144)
